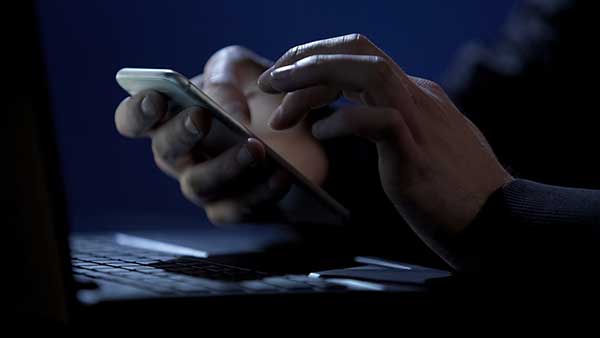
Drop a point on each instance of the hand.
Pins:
(434, 164)
(215, 169)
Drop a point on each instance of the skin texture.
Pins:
(434, 164)
(205, 157)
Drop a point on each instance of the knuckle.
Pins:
(293, 52)
(185, 185)
(213, 215)
(430, 85)
(160, 149)
(314, 60)
(359, 40)
(190, 186)
(381, 70)
(434, 86)
(182, 142)
(224, 213)
(232, 52)
(218, 218)
(234, 55)
(218, 81)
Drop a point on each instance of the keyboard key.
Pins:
(169, 274)
(94, 274)
(124, 257)
(84, 257)
(146, 261)
(123, 272)
(107, 261)
(104, 268)
(118, 264)
(83, 264)
(146, 269)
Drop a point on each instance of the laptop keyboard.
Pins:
(100, 258)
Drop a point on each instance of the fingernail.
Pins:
(245, 157)
(261, 79)
(282, 72)
(148, 108)
(191, 127)
(276, 119)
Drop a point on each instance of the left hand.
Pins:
(229, 184)
(434, 164)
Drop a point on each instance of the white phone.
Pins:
(184, 93)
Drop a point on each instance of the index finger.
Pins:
(352, 44)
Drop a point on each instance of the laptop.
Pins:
(128, 275)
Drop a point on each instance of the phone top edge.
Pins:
(142, 71)
(151, 73)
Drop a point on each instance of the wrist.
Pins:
(466, 249)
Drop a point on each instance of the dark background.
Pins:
(112, 180)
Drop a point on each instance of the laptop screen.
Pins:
(112, 181)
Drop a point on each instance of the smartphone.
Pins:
(185, 94)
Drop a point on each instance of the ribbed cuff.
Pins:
(531, 226)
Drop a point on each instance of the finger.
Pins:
(220, 83)
(229, 75)
(198, 80)
(238, 56)
(229, 96)
(356, 44)
(350, 72)
(243, 207)
(203, 181)
(179, 135)
(374, 123)
(370, 75)
(296, 105)
(138, 114)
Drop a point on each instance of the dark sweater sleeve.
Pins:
(534, 229)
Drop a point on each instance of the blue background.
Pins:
(111, 180)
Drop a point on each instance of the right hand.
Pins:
(435, 166)
(216, 170)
